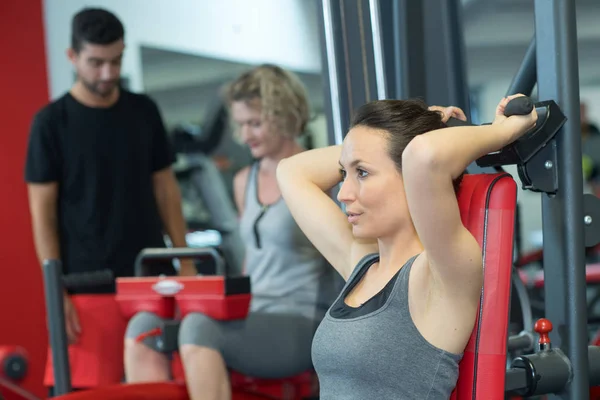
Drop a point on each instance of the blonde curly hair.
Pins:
(282, 95)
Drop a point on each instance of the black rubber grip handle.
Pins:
(521, 105)
(167, 254)
(85, 280)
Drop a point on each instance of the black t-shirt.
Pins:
(103, 160)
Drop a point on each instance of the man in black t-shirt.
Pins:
(98, 166)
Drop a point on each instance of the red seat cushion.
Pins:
(487, 205)
(244, 387)
(297, 387)
(142, 391)
(97, 358)
(592, 276)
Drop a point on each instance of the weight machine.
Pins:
(402, 49)
(565, 366)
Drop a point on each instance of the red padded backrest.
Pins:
(487, 205)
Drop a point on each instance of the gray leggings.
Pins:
(264, 345)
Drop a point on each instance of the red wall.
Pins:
(24, 90)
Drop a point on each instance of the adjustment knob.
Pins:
(543, 327)
(14, 366)
(13, 362)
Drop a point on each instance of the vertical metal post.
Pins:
(378, 49)
(331, 67)
(56, 326)
(445, 54)
(562, 214)
(526, 76)
(409, 49)
(350, 64)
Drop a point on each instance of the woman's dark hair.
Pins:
(402, 120)
(95, 26)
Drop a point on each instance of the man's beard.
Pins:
(95, 87)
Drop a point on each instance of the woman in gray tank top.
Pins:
(413, 272)
(292, 283)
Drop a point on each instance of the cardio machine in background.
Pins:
(207, 196)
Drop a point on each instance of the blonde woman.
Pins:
(292, 284)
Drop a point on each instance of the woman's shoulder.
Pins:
(242, 175)
(365, 262)
(240, 183)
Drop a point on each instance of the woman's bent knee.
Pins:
(141, 323)
(199, 330)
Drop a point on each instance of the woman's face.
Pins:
(372, 190)
(260, 135)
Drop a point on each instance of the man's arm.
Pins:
(168, 198)
(43, 199)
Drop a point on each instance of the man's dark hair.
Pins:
(95, 26)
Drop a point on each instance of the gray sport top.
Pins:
(286, 271)
(375, 351)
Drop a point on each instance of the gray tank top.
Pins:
(379, 354)
(286, 271)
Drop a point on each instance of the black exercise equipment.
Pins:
(548, 160)
(533, 176)
(204, 139)
(150, 255)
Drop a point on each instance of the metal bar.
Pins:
(388, 41)
(409, 49)
(523, 341)
(56, 326)
(594, 365)
(332, 71)
(526, 76)
(349, 60)
(516, 379)
(562, 214)
(522, 296)
(445, 55)
(167, 254)
(379, 58)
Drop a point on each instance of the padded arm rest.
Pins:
(219, 297)
(488, 204)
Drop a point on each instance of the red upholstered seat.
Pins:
(487, 205)
(142, 391)
(592, 276)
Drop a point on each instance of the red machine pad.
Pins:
(137, 294)
(302, 386)
(228, 301)
(487, 205)
(142, 391)
(592, 276)
(215, 296)
(97, 359)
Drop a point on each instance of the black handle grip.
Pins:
(167, 254)
(53, 287)
(521, 105)
(85, 280)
